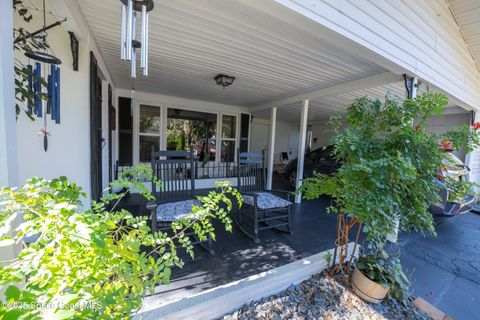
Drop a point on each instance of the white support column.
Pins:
(414, 87)
(271, 146)
(301, 148)
(8, 136)
(393, 237)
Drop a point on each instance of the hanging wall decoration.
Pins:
(129, 43)
(74, 48)
(51, 97)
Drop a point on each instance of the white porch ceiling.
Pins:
(467, 14)
(322, 109)
(192, 41)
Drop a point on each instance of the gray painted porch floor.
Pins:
(237, 256)
(445, 269)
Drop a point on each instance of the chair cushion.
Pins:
(266, 201)
(173, 211)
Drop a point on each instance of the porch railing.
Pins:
(208, 170)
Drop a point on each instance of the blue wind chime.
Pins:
(36, 85)
(53, 90)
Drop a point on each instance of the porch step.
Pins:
(216, 302)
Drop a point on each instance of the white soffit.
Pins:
(322, 109)
(192, 41)
(467, 14)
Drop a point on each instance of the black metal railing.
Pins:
(208, 170)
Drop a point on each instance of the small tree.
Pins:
(97, 263)
(388, 168)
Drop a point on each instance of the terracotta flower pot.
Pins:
(367, 289)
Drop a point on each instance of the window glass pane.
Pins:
(125, 137)
(146, 143)
(191, 129)
(228, 151)
(149, 119)
(229, 126)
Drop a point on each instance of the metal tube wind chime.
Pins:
(129, 42)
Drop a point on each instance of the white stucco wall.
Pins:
(68, 151)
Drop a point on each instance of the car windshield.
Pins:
(454, 165)
(320, 153)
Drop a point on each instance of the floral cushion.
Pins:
(173, 211)
(266, 200)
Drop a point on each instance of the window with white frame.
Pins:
(149, 131)
(229, 138)
(188, 129)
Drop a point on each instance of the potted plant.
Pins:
(376, 273)
(387, 178)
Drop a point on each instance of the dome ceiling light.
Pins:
(224, 80)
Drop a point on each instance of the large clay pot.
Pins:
(367, 289)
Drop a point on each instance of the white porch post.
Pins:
(301, 148)
(8, 137)
(414, 87)
(271, 146)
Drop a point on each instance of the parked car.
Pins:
(320, 160)
(457, 170)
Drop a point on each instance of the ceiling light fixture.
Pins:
(224, 80)
(129, 43)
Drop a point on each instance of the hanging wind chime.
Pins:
(50, 66)
(129, 42)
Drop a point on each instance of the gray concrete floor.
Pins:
(445, 270)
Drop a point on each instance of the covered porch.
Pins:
(237, 256)
(292, 72)
(289, 80)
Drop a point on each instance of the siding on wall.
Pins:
(420, 37)
(449, 122)
(286, 138)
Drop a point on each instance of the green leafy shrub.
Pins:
(93, 263)
(388, 172)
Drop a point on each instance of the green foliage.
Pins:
(388, 173)
(389, 165)
(95, 263)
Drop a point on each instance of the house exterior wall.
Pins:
(408, 36)
(8, 150)
(165, 102)
(68, 151)
(286, 138)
